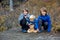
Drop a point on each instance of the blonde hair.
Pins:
(32, 16)
(44, 9)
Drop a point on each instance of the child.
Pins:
(32, 24)
(23, 20)
(44, 20)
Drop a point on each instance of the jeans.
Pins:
(44, 25)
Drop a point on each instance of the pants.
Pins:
(23, 24)
(43, 24)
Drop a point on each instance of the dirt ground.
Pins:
(16, 34)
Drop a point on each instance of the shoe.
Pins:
(40, 31)
(24, 31)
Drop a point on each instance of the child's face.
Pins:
(43, 13)
(25, 12)
(31, 19)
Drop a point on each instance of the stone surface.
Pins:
(16, 34)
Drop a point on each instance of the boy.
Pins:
(44, 20)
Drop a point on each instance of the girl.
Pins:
(32, 22)
(23, 20)
(44, 20)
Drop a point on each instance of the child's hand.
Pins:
(25, 16)
(29, 24)
(37, 29)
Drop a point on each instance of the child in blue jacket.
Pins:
(44, 20)
(33, 21)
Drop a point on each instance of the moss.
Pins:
(2, 28)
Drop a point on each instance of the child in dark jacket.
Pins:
(44, 20)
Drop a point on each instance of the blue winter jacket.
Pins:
(46, 18)
(34, 22)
